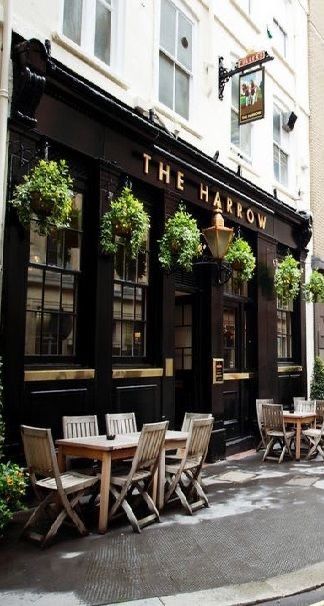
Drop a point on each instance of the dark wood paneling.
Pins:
(290, 385)
(144, 400)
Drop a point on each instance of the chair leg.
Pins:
(268, 449)
(281, 458)
(37, 513)
(126, 507)
(183, 499)
(65, 512)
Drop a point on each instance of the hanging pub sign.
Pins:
(251, 96)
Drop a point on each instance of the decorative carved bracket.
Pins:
(29, 78)
(225, 74)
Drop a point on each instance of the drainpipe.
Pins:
(4, 106)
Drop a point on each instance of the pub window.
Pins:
(240, 135)
(52, 288)
(130, 303)
(230, 338)
(284, 329)
(175, 59)
(280, 146)
(92, 24)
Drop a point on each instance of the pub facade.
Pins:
(85, 332)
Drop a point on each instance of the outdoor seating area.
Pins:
(142, 477)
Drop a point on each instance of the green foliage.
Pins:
(125, 218)
(317, 382)
(287, 279)
(2, 425)
(12, 490)
(50, 185)
(180, 243)
(314, 289)
(242, 259)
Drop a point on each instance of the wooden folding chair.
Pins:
(80, 426)
(315, 435)
(61, 490)
(120, 423)
(183, 478)
(275, 432)
(308, 406)
(188, 417)
(259, 414)
(297, 399)
(140, 476)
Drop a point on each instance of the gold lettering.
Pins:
(250, 215)
(164, 173)
(180, 181)
(217, 201)
(239, 210)
(203, 195)
(229, 204)
(147, 159)
(262, 219)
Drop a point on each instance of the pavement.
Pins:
(261, 539)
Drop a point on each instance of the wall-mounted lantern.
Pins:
(218, 238)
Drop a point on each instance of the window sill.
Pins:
(92, 61)
(177, 119)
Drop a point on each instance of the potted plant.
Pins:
(45, 192)
(127, 219)
(242, 259)
(314, 288)
(287, 279)
(317, 381)
(180, 243)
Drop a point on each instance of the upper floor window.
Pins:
(52, 288)
(280, 37)
(240, 135)
(175, 59)
(91, 24)
(280, 147)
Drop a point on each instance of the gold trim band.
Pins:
(136, 373)
(295, 368)
(66, 374)
(239, 376)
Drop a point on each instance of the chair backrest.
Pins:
(189, 416)
(273, 416)
(39, 452)
(80, 426)
(198, 439)
(149, 446)
(297, 399)
(121, 423)
(259, 413)
(305, 406)
(320, 411)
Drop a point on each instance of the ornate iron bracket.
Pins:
(221, 270)
(225, 74)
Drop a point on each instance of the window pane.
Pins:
(138, 339)
(72, 20)
(139, 309)
(235, 129)
(52, 290)
(130, 274)
(119, 262)
(166, 81)
(34, 288)
(142, 267)
(72, 245)
(117, 300)
(128, 302)
(168, 27)
(181, 93)
(76, 215)
(66, 335)
(276, 162)
(37, 252)
(55, 248)
(283, 168)
(103, 32)
(116, 346)
(184, 50)
(245, 135)
(127, 339)
(33, 331)
(50, 335)
(276, 125)
(68, 293)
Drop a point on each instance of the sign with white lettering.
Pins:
(251, 59)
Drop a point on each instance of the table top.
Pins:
(121, 441)
(299, 415)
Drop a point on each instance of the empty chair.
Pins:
(307, 406)
(275, 432)
(259, 413)
(140, 476)
(183, 477)
(80, 426)
(50, 486)
(297, 399)
(315, 435)
(188, 417)
(120, 423)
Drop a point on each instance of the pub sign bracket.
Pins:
(251, 60)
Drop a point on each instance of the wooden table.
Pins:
(122, 447)
(298, 419)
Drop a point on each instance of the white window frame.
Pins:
(88, 28)
(234, 147)
(279, 30)
(280, 145)
(193, 20)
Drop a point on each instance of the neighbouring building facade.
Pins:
(129, 92)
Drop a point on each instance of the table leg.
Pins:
(298, 432)
(160, 481)
(104, 492)
(61, 460)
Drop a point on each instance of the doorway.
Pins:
(183, 343)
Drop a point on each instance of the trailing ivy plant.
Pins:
(314, 288)
(180, 243)
(287, 279)
(242, 259)
(45, 192)
(127, 219)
